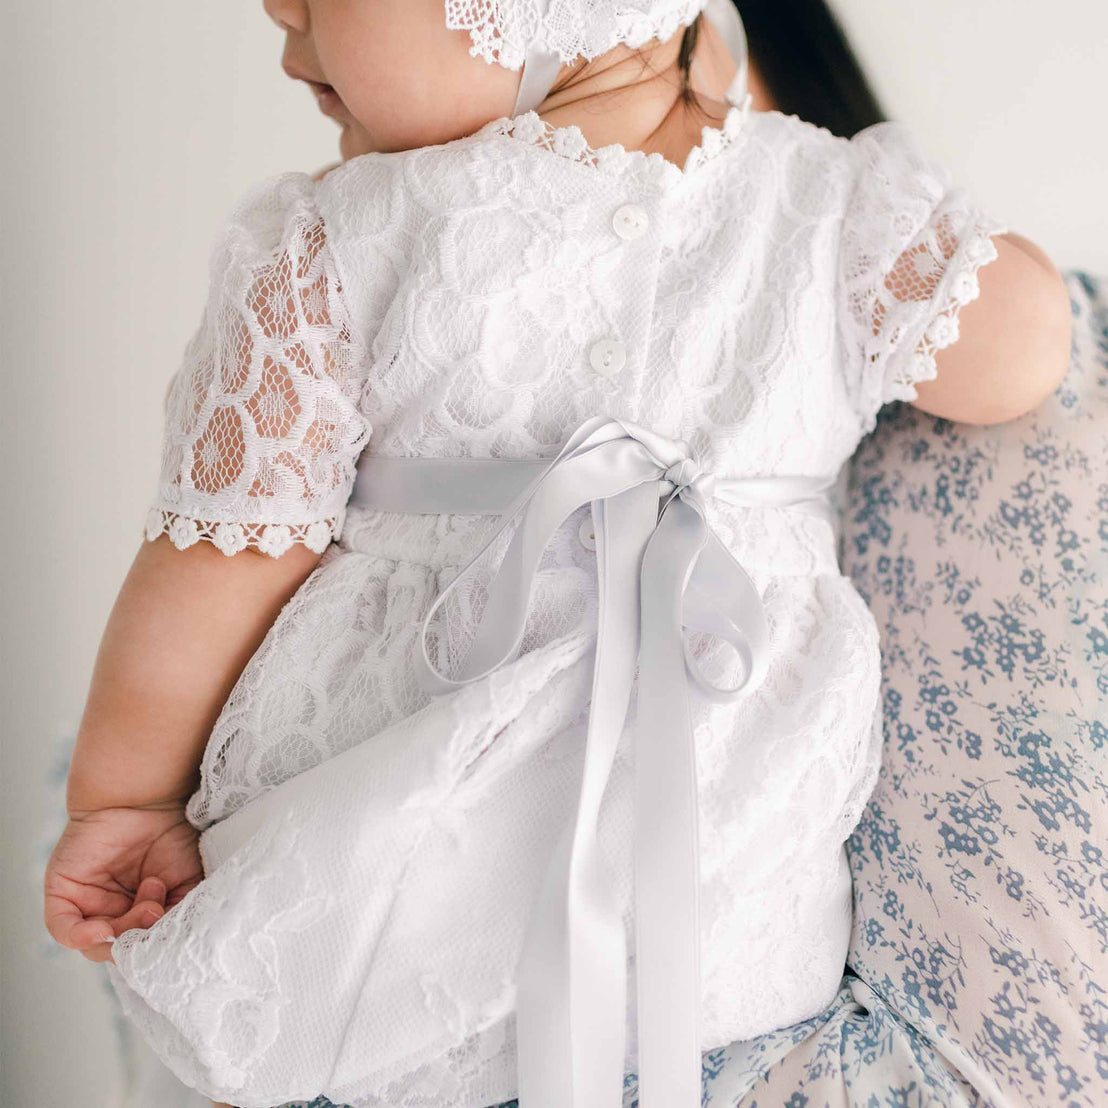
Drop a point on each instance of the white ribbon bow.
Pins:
(661, 572)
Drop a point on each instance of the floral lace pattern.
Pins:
(899, 324)
(502, 30)
(261, 419)
(972, 975)
(922, 1010)
(464, 286)
(235, 1003)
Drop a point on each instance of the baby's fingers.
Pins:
(144, 913)
(93, 937)
(69, 927)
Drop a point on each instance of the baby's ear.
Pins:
(325, 170)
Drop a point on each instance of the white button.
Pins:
(630, 221)
(585, 533)
(607, 357)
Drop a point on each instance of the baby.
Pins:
(610, 266)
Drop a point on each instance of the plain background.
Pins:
(130, 130)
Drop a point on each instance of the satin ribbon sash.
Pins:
(661, 572)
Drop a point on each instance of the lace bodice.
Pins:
(371, 853)
(430, 299)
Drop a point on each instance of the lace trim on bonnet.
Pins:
(502, 30)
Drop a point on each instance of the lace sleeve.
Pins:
(911, 246)
(261, 425)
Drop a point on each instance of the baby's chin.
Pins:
(355, 138)
(353, 141)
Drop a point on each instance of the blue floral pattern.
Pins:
(978, 966)
(979, 865)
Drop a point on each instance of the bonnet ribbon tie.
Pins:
(661, 571)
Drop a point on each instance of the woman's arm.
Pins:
(1013, 345)
(182, 629)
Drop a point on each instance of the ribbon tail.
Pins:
(667, 852)
(721, 598)
(571, 997)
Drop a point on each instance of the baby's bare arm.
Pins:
(1014, 344)
(182, 629)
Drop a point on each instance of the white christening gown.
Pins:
(371, 850)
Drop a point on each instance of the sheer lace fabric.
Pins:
(262, 424)
(358, 833)
(902, 321)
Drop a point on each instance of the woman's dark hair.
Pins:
(803, 57)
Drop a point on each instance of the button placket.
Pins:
(607, 356)
(630, 221)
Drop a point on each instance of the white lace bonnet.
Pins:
(542, 35)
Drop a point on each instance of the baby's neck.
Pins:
(619, 99)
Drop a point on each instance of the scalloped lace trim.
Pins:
(267, 538)
(976, 249)
(501, 33)
(614, 159)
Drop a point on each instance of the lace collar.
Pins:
(614, 159)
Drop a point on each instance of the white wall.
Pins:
(1013, 96)
(129, 129)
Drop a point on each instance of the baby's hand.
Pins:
(118, 868)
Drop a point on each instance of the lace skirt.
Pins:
(328, 766)
(859, 1050)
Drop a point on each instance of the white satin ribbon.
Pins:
(728, 23)
(540, 71)
(661, 572)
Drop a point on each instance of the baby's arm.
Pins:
(262, 432)
(261, 437)
(1014, 340)
(182, 628)
(939, 304)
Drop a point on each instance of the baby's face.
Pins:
(403, 79)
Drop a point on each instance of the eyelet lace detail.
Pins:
(616, 160)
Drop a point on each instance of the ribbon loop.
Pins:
(662, 572)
